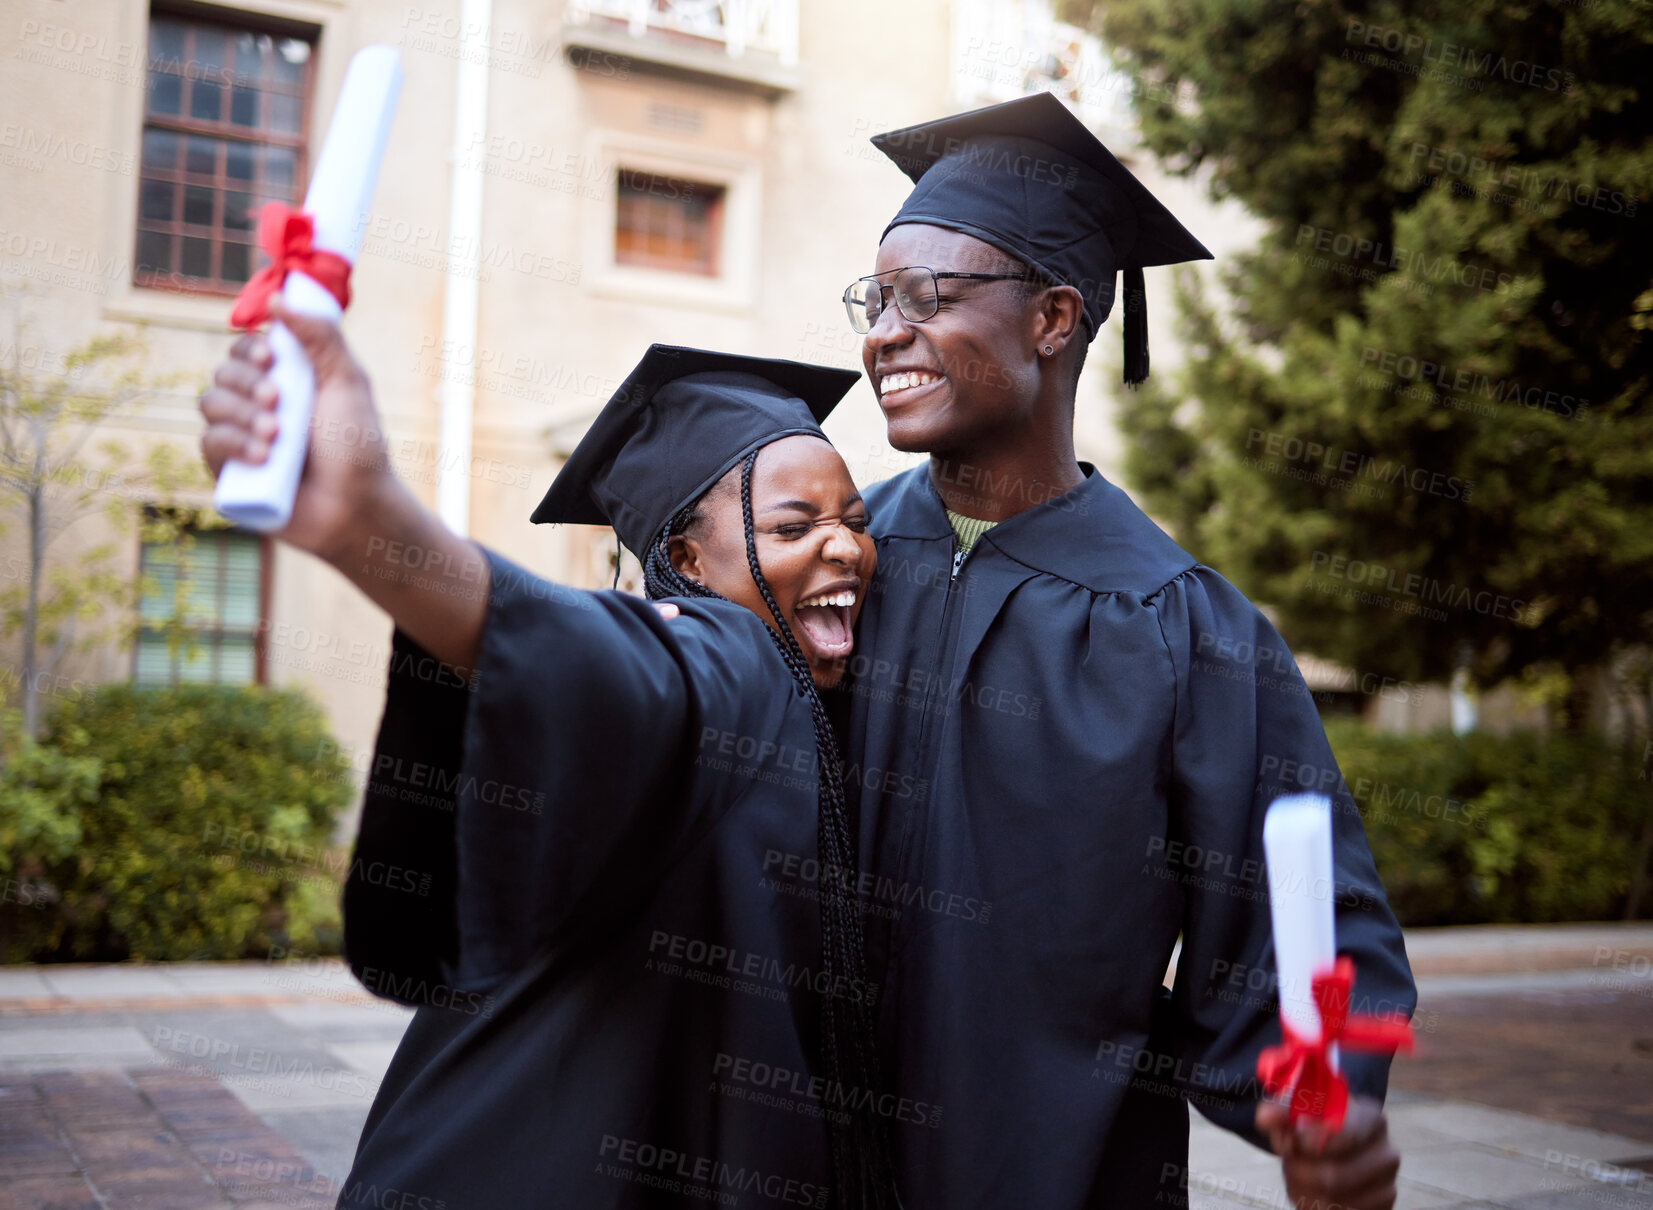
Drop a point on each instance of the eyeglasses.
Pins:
(914, 289)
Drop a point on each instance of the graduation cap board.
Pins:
(682, 418)
(1028, 178)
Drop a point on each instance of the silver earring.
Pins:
(1049, 349)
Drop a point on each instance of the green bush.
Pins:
(42, 793)
(1482, 829)
(183, 823)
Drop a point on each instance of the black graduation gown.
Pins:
(567, 866)
(1062, 758)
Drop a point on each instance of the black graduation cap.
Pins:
(1029, 178)
(680, 420)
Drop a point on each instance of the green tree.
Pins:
(58, 467)
(1419, 426)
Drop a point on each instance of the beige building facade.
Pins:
(566, 182)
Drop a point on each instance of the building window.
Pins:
(665, 222)
(200, 612)
(223, 133)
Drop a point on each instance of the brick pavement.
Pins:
(143, 1139)
(1582, 1057)
(1534, 1090)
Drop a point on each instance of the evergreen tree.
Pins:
(1421, 428)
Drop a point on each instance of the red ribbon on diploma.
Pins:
(287, 237)
(1304, 1069)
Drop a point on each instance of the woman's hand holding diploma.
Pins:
(350, 509)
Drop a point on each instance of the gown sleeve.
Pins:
(1246, 731)
(549, 789)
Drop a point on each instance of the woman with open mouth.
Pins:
(626, 907)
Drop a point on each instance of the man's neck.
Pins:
(996, 486)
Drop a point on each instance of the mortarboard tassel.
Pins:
(1136, 328)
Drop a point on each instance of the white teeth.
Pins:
(901, 382)
(844, 598)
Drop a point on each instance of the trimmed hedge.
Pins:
(1485, 829)
(195, 823)
(183, 823)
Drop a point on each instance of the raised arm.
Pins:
(351, 510)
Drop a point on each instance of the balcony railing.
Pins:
(1004, 49)
(750, 37)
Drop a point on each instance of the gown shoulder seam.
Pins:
(1170, 655)
(1166, 587)
(1144, 597)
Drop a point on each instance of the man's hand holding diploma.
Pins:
(1334, 1145)
(1354, 1166)
(350, 509)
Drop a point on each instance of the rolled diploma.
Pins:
(1297, 842)
(261, 497)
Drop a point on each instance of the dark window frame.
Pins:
(229, 24)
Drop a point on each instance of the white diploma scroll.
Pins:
(1297, 842)
(261, 497)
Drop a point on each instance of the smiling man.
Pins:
(1101, 722)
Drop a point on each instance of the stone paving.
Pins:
(245, 1085)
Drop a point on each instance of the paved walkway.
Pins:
(245, 1085)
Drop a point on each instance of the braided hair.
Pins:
(860, 1145)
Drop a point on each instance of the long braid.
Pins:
(860, 1145)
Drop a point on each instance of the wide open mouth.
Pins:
(823, 622)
